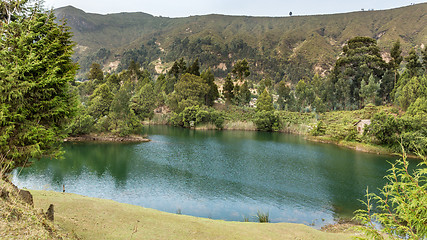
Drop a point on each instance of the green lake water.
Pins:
(226, 175)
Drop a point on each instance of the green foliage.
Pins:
(143, 102)
(95, 72)
(361, 58)
(82, 123)
(241, 69)
(264, 102)
(413, 65)
(385, 128)
(369, 91)
(268, 121)
(244, 94)
(100, 101)
(401, 207)
(228, 89)
(212, 93)
(194, 115)
(410, 89)
(190, 90)
(319, 129)
(36, 70)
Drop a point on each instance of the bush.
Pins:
(82, 124)
(385, 128)
(267, 121)
(401, 208)
(319, 129)
(196, 115)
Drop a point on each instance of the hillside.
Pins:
(275, 46)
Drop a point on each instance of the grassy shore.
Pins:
(91, 218)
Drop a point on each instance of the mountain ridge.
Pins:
(306, 41)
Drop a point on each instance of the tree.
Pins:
(190, 90)
(121, 120)
(424, 57)
(95, 72)
(361, 57)
(178, 68)
(370, 90)
(241, 69)
(194, 68)
(396, 59)
(213, 93)
(143, 102)
(284, 92)
(413, 64)
(410, 90)
(245, 94)
(264, 102)
(228, 89)
(35, 74)
(100, 101)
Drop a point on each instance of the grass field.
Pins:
(91, 218)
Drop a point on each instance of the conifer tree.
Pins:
(35, 73)
(264, 102)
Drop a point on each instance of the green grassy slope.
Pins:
(317, 39)
(91, 218)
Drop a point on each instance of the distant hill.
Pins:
(276, 47)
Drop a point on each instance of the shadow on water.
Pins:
(218, 174)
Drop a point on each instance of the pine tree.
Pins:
(35, 74)
(264, 102)
(228, 89)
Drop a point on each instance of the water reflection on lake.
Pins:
(217, 174)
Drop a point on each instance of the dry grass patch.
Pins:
(19, 220)
(92, 218)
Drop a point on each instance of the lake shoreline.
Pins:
(107, 138)
(356, 146)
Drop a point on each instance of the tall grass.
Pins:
(263, 217)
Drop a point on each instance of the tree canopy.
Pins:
(35, 74)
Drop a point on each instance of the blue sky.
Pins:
(183, 8)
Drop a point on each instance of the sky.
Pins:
(185, 8)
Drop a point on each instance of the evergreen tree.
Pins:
(396, 59)
(144, 102)
(245, 93)
(100, 101)
(35, 74)
(213, 93)
(228, 89)
(413, 64)
(369, 91)
(95, 72)
(264, 102)
(361, 57)
(194, 68)
(241, 69)
(284, 92)
(189, 91)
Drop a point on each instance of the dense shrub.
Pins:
(267, 121)
(194, 115)
(319, 129)
(385, 128)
